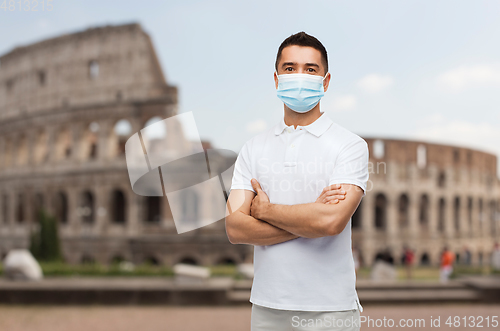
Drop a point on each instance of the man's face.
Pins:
(301, 60)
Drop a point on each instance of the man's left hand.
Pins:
(260, 202)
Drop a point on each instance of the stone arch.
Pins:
(153, 209)
(121, 131)
(492, 218)
(470, 208)
(380, 211)
(41, 150)
(93, 69)
(61, 207)
(188, 260)
(403, 210)
(423, 215)
(441, 215)
(357, 216)
(481, 213)
(441, 180)
(89, 141)
(42, 77)
(118, 207)
(8, 152)
(5, 208)
(22, 150)
(87, 207)
(63, 144)
(38, 205)
(20, 203)
(456, 155)
(153, 131)
(456, 213)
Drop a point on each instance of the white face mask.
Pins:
(300, 92)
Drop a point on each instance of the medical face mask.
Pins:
(300, 92)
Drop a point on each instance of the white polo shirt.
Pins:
(293, 166)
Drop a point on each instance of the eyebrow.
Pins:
(295, 63)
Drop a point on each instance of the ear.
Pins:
(326, 82)
(275, 80)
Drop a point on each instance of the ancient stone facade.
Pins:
(67, 107)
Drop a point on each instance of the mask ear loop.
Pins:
(324, 79)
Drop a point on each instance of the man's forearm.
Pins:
(245, 229)
(310, 220)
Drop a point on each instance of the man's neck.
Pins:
(302, 119)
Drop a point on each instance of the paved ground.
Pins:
(133, 318)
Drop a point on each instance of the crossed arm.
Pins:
(252, 219)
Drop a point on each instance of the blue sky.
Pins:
(427, 70)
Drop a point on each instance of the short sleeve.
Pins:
(242, 174)
(351, 166)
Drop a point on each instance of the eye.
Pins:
(311, 70)
(286, 69)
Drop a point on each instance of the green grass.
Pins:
(98, 270)
(59, 269)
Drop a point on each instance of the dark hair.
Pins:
(303, 39)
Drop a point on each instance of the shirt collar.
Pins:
(317, 128)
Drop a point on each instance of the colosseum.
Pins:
(425, 196)
(69, 104)
(67, 107)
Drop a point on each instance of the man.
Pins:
(294, 190)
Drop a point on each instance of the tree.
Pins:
(45, 245)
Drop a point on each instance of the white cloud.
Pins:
(374, 83)
(470, 76)
(344, 102)
(481, 136)
(256, 126)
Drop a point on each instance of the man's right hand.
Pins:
(332, 194)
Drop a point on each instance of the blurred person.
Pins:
(409, 257)
(301, 235)
(447, 259)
